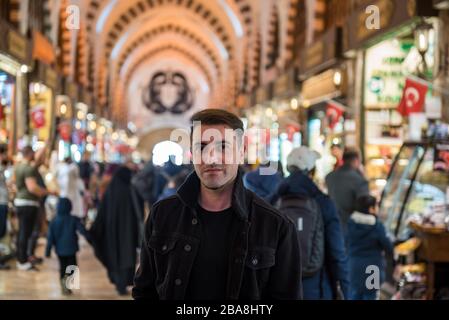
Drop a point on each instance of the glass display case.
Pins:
(416, 187)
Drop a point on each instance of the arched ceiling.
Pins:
(222, 44)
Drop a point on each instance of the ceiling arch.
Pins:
(150, 35)
(164, 49)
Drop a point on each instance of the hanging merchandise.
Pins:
(65, 131)
(38, 117)
(413, 98)
(334, 113)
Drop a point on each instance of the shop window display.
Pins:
(6, 106)
(387, 64)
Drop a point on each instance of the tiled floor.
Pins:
(44, 284)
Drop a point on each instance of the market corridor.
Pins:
(44, 284)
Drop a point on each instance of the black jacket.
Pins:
(264, 262)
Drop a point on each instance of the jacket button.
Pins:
(194, 221)
(187, 248)
(178, 282)
(255, 261)
(164, 247)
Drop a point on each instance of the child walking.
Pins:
(367, 242)
(62, 234)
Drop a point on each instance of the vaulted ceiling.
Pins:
(221, 42)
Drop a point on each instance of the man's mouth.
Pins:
(213, 170)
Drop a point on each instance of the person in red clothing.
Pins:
(337, 153)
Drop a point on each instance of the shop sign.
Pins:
(14, 44)
(17, 45)
(323, 53)
(441, 157)
(319, 86)
(385, 69)
(285, 84)
(393, 13)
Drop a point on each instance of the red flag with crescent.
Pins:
(334, 113)
(413, 97)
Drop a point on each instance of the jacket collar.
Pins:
(189, 191)
(362, 218)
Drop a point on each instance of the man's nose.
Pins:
(211, 156)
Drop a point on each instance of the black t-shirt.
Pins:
(210, 270)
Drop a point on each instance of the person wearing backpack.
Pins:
(325, 265)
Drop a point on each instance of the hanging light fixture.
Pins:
(422, 41)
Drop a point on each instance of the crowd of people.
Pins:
(330, 236)
(350, 236)
(103, 202)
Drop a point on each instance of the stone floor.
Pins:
(44, 284)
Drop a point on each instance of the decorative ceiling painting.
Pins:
(168, 91)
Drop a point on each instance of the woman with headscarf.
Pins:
(116, 230)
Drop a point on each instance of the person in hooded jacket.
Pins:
(62, 234)
(332, 281)
(264, 184)
(117, 229)
(367, 242)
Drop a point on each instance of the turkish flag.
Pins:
(334, 113)
(38, 117)
(413, 97)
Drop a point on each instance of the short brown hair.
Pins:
(350, 154)
(27, 151)
(217, 116)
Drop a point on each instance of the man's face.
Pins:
(336, 152)
(217, 153)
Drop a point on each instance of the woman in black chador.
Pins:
(117, 229)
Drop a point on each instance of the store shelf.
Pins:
(385, 141)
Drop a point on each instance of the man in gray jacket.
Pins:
(346, 184)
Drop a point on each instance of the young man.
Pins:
(27, 203)
(214, 239)
(346, 184)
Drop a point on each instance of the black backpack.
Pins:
(306, 214)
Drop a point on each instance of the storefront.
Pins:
(259, 121)
(285, 106)
(323, 97)
(388, 54)
(15, 60)
(43, 88)
(65, 104)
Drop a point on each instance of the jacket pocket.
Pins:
(260, 258)
(258, 264)
(165, 260)
(162, 245)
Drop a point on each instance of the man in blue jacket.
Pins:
(332, 280)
